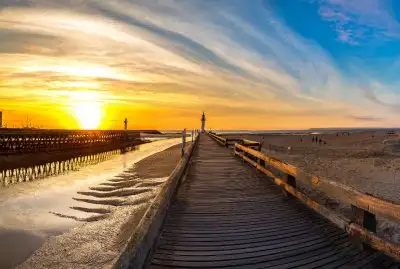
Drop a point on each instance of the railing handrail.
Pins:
(218, 138)
(232, 141)
(338, 191)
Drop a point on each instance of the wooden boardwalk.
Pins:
(226, 214)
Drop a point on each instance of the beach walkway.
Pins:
(227, 214)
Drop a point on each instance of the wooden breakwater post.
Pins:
(26, 170)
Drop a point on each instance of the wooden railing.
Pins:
(362, 224)
(221, 140)
(226, 142)
(365, 207)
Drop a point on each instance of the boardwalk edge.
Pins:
(142, 241)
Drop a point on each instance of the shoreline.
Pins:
(75, 205)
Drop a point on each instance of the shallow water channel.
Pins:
(32, 211)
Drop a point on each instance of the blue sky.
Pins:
(269, 64)
(352, 32)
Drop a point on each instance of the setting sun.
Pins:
(86, 108)
(88, 115)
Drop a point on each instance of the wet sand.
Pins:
(17, 246)
(106, 194)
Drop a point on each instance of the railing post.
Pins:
(366, 220)
(291, 181)
(183, 142)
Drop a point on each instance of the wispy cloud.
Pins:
(189, 56)
(357, 21)
(385, 96)
(366, 118)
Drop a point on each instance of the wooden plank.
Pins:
(274, 251)
(303, 256)
(228, 250)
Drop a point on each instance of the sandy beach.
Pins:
(366, 161)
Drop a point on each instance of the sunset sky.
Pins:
(274, 64)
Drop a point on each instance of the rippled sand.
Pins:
(102, 195)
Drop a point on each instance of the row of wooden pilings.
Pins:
(53, 168)
(361, 226)
(21, 142)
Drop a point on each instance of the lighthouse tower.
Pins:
(203, 122)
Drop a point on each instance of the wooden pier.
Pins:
(220, 212)
(23, 141)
